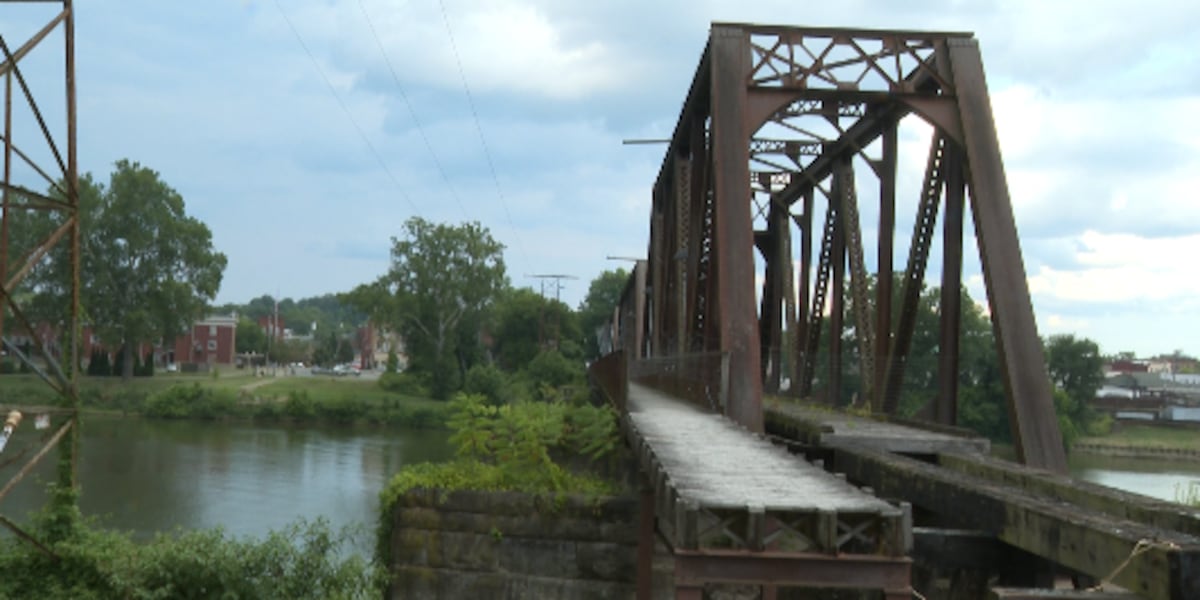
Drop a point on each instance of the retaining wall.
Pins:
(470, 544)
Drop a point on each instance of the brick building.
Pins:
(210, 341)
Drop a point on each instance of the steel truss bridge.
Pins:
(780, 128)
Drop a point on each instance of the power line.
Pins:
(346, 109)
(420, 128)
(479, 128)
(557, 282)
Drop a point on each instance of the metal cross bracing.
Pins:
(49, 162)
(780, 124)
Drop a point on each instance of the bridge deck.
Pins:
(823, 426)
(717, 464)
(733, 507)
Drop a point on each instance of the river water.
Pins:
(148, 476)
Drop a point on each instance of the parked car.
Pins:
(348, 369)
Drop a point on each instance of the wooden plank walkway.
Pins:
(733, 507)
(715, 463)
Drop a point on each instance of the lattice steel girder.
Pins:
(751, 76)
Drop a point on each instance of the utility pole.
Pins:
(557, 279)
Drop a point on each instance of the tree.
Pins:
(249, 338)
(149, 269)
(442, 279)
(1076, 367)
(596, 310)
(526, 323)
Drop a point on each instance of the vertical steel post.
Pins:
(4, 217)
(837, 290)
(946, 411)
(733, 229)
(883, 277)
(771, 315)
(802, 301)
(1023, 364)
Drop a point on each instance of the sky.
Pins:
(305, 132)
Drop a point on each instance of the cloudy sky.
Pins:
(305, 132)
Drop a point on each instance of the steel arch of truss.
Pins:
(775, 117)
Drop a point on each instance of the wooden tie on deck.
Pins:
(733, 507)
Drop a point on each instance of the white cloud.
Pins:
(1122, 268)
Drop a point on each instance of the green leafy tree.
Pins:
(249, 337)
(1076, 367)
(526, 323)
(596, 310)
(442, 279)
(150, 269)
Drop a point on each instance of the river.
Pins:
(147, 476)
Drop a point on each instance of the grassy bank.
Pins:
(1149, 437)
(239, 395)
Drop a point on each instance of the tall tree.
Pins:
(596, 310)
(1076, 367)
(150, 269)
(527, 323)
(442, 279)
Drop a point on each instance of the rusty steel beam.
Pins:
(733, 229)
(1031, 407)
(886, 169)
(37, 112)
(16, 478)
(946, 401)
(11, 60)
(914, 273)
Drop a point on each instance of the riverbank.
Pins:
(240, 395)
(1137, 440)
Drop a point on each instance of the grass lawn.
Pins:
(323, 389)
(1147, 436)
(28, 389)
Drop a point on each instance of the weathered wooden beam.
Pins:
(1120, 504)
(953, 549)
(1153, 562)
(820, 426)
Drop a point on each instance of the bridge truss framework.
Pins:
(776, 118)
(52, 161)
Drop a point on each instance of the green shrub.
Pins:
(510, 448)
(305, 560)
(489, 382)
(7, 366)
(299, 405)
(191, 401)
(409, 384)
(345, 409)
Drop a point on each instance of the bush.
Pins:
(510, 448)
(345, 409)
(489, 382)
(409, 384)
(299, 405)
(191, 401)
(305, 560)
(551, 368)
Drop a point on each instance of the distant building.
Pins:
(210, 341)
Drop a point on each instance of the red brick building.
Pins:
(210, 341)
